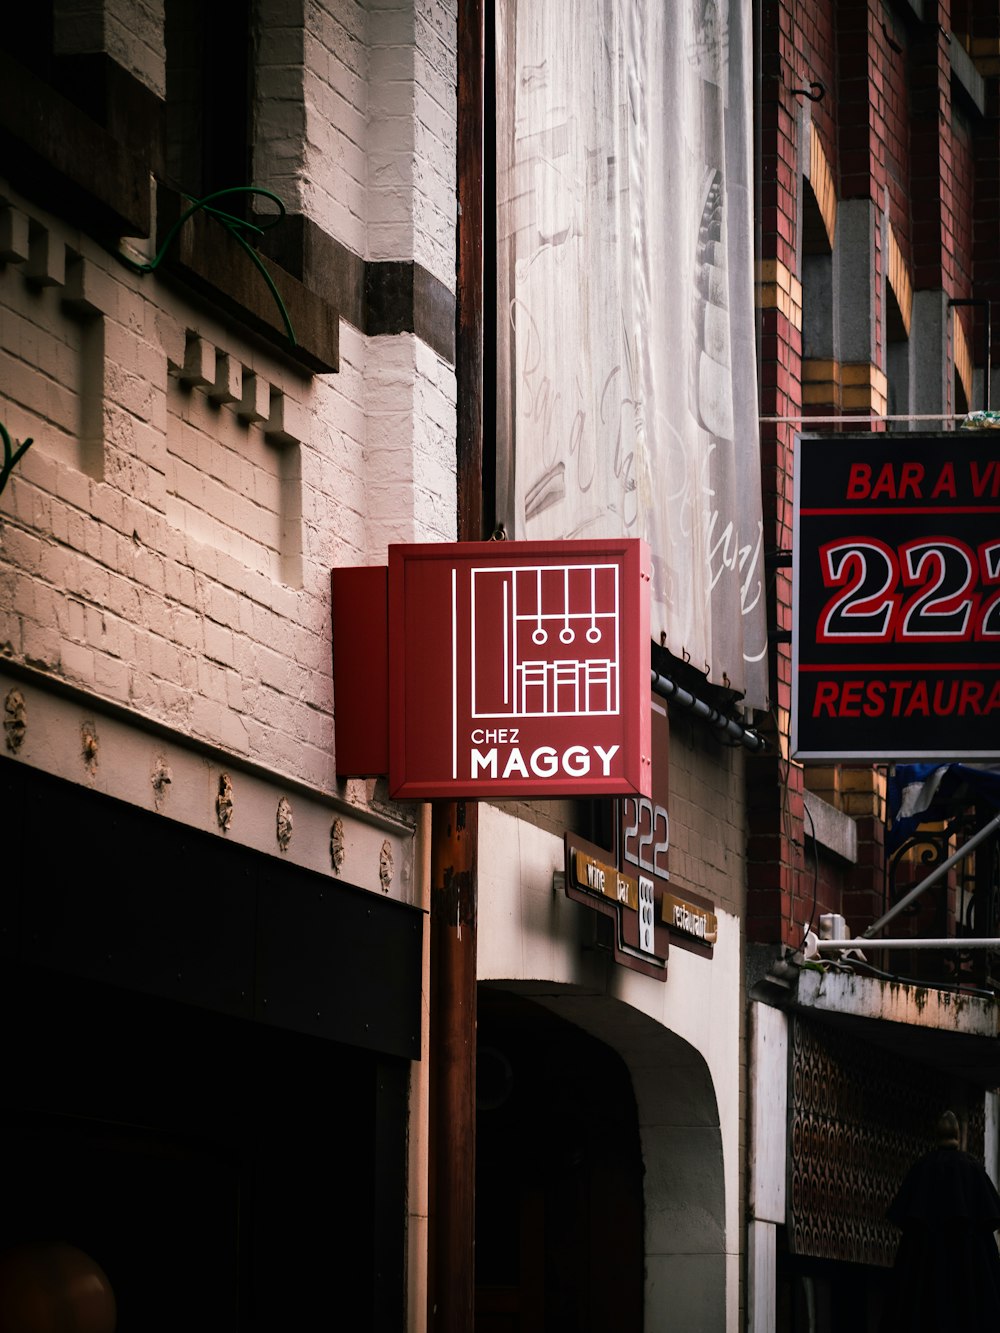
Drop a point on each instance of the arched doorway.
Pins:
(559, 1215)
(600, 1169)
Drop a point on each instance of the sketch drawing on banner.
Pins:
(626, 387)
(559, 627)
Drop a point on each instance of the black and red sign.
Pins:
(896, 597)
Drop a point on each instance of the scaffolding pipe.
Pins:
(932, 878)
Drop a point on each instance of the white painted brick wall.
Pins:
(336, 108)
(355, 115)
(410, 445)
(133, 30)
(279, 122)
(435, 140)
(130, 31)
(178, 563)
(356, 123)
(390, 129)
(110, 585)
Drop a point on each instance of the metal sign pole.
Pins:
(451, 1284)
(451, 1277)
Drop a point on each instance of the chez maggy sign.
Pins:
(510, 669)
(518, 669)
(522, 669)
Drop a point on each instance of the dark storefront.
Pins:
(206, 1060)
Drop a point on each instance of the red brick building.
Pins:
(878, 280)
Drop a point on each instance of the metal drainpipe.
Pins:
(451, 1277)
(728, 726)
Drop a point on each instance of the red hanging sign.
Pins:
(519, 669)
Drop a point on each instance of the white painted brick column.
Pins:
(435, 140)
(410, 444)
(130, 31)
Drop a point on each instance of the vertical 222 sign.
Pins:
(634, 891)
(644, 844)
(645, 835)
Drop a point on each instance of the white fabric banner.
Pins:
(626, 364)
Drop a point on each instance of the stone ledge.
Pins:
(376, 296)
(60, 156)
(951, 1031)
(967, 77)
(892, 1001)
(837, 832)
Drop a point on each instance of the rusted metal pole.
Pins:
(451, 1252)
(454, 827)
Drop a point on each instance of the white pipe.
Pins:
(841, 420)
(949, 942)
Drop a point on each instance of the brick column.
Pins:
(774, 810)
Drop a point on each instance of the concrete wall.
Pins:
(681, 1038)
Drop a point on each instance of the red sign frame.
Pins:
(519, 669)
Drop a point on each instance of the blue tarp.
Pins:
(926, 793)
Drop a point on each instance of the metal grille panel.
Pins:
(859, 1117)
